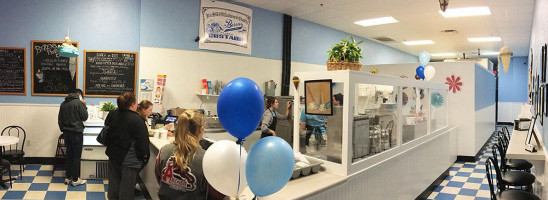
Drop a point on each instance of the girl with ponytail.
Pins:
(179, 164)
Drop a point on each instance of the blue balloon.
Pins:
(424, 58)
(420, 71)
(269, 166)
(240, 107)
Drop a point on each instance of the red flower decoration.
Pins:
(454, 83)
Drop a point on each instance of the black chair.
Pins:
(512, 178)
(5, 166)
(15, 153)
(511, 164)
(60, 152)
(501, 193)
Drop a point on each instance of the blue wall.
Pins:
(175, 23)
(125, 25)
(484, 87)
(513, 85)
(96, 25)
(310, 42)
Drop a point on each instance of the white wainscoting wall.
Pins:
(485, 124)
(508, 111)
(39, 122)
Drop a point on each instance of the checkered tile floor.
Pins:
(467, 180)
(40, 183)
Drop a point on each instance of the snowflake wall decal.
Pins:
(454, 83)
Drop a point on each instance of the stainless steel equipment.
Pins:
(360, 137)
(334, 135)
(270, 88)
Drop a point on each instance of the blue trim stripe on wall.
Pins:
(485, 84)
(513, 85)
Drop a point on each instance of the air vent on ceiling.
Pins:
(384, 39)
(449, 32)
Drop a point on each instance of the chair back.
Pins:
(502, 152)
(18, 132)
(490, 164)
(505, 130)
(502, 138)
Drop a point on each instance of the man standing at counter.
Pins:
(72, 113)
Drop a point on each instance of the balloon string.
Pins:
(254, 198)
(240, 142)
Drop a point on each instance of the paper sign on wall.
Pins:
(159, 93)
(225, 27)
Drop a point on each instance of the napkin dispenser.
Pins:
(522, 124)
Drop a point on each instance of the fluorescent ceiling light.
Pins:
(484, 39)
(376, 21)
(465, 12)
(442, 54)
(489, 53)
(419, 42)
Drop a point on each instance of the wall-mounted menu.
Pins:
(13, 64)
(52, 75)
(109, 73)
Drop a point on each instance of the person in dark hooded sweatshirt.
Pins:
(72, 113)
(127, 149)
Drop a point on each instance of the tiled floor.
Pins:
(466, 180)
(40, 183)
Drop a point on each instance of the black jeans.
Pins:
(74, 142)
(121, 181)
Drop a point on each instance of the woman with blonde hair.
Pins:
(179, 164)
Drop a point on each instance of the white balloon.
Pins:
(221, 163)
(429, 73)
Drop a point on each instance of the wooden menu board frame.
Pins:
(136, 54)
(24, 71)
(33, 73)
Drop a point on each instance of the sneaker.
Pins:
(67, 181)
(79, 182)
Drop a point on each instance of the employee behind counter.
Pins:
(270, 117)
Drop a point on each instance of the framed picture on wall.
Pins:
(541, 105)
(318, 95)
(542, 64)
(531, 78)
(545, 101)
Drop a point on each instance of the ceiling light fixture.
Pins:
(443, 4)
(419, 42)
(465, 12)
(485, 39)
(376, 21)
(443, 54)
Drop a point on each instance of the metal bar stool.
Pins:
(511, 178)
(501, 192)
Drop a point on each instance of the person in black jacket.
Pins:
(72, 113)
(128, 147)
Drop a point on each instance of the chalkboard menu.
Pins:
(109, 73)
(52, 75)
(13, 65)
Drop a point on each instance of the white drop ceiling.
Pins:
(419, 20)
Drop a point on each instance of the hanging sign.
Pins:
(225, 27)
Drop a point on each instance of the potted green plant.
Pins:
(345, 55)
(107, 107)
